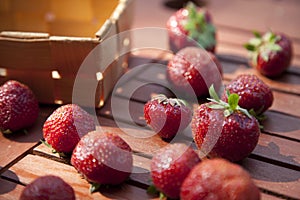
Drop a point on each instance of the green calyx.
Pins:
(230, 107)
(94, 187)
(6, 132)
(198, 28)
(154, 191)
(172, 101)
(61, 154)
(262, 45)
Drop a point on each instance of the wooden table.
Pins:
(274, 164)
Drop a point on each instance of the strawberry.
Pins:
(167, 116)
(169, 167)
(191, 26)
(192, 70)
(253, 92)
(271, 53)
(218, 179)
(19, 108)
(46, 188)
(103, 158)
(65, 126)
(225, 130)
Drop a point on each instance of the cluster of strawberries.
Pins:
(270, 53)
(102, 158)
(225, 128)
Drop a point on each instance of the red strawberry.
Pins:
(253, 92)
(192, 70)
(166, 116)
(103, 158)
(47, 188)
(170, 166)
(225, 129)
(271, 53)
(19, 108)
(191, 26)
(218, 179)
(65, 126)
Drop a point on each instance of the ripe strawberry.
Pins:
(19, 108)
(191, 26)
(253, 92)
(47, 188)
(65, 126)
(192, 70)
(166, 116)
(103, 158)
(225, 129)
(170, 166)
(218, 179)
(271, 53)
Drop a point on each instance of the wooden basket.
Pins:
(44, 42)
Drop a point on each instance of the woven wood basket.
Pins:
(44, 42)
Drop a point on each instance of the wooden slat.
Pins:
(123, 110)
(140, 172)
(278, 149)
(268, 15)
(31, 167)
(274, 178)
(269, 197)
(283, 103)
(287, 83)
(282, 124)
(140, 90)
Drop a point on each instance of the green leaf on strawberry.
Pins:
(161, 98)
(262, 45)
(198, 28)
(153, 190)
(230, 107)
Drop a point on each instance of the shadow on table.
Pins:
(6, 185)
(265, 171)
(177, 4)
(124, 191)
(287, 123)
(273, 152)
(32, 134)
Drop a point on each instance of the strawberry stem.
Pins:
(46, 143)
(152, 190)
(161, 98)
(230, 107)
